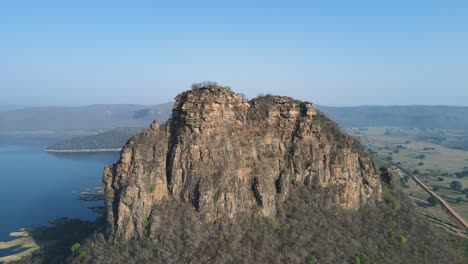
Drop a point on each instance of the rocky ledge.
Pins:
(233, 159)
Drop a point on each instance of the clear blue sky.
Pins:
(145, 52)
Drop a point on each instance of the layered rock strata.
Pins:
(232, 159)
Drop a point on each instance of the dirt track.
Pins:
(443, 203)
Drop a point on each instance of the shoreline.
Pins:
(82, 150)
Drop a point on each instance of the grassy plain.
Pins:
(426, 153)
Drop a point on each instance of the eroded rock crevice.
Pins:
(226, 156)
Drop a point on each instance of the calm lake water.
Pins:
(36, 186)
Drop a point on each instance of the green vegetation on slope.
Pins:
(306, 228)
(113, 139)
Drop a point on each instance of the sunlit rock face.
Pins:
(234, 159)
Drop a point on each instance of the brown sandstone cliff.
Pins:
(232, 159)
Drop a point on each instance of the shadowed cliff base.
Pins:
(306, 229)
(53, 243)
(50, 244)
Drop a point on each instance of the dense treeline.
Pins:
(306, 229)
(113, 139)
(461, 174)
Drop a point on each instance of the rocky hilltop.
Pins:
(231, 159)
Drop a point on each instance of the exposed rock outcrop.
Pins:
(389, 176)
(232, 159)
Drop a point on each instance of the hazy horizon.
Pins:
(333, 53)
(6, 108)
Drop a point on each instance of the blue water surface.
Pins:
(36, 186)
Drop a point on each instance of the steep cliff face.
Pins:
(232, 159)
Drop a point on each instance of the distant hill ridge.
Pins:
(113, 139)
(109, 116)
(83, 117)
(415, 116)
